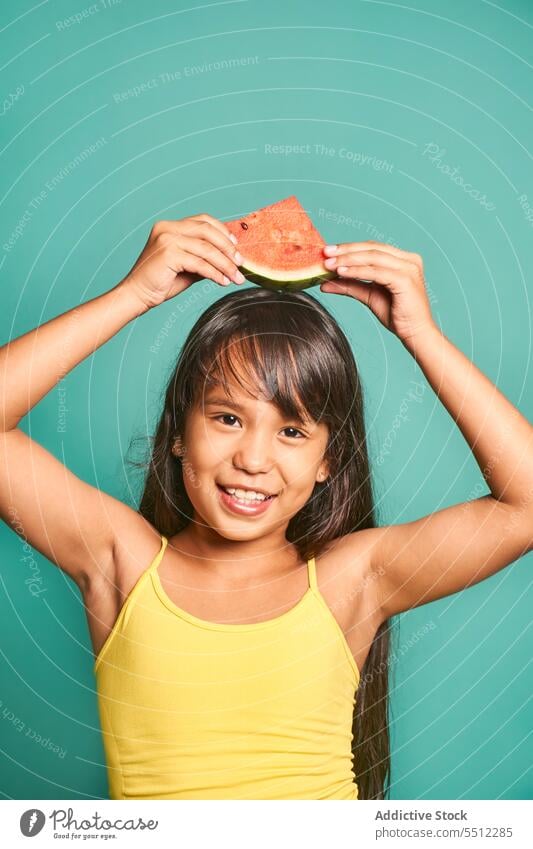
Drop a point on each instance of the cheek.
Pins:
(200, 466)
(191, 478)
(299, 472)
(209, 447)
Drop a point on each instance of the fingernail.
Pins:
(330, 263)
(239, 278)
(233, 238)
(330, 249)
(342, 269)
(226, 281)
(238, 258)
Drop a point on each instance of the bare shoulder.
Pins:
(136, 542)
(347, 580)
(130, 541)
(352, 558)
(135, 548)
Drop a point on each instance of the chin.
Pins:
(242, 534)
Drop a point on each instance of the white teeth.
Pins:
(246, 495)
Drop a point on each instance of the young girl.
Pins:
(238, 613)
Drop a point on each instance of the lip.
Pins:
(240, 509)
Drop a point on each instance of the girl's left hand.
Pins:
(396, 291)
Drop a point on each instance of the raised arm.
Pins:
(73, 524)
(448, 550)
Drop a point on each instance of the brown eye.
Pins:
(226, 416)
(295, 431)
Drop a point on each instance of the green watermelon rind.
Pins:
(286, 280)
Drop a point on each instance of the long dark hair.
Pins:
(297, 355)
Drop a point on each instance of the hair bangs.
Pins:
(269, 367)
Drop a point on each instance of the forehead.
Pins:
(241, 400)
(233, 393)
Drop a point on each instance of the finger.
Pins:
(334, 250)
(213, 255)
(371, 257)
(206, 230)
(219, 225)
(353, 288)
(195, 264)
(389, 277)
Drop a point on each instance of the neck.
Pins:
(264, 557)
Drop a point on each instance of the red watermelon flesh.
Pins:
(280, 246)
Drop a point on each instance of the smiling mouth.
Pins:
(246, 500)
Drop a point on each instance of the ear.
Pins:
(322, 473)
(177, 447)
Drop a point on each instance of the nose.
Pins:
(254, 451)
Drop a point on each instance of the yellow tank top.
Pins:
(192, 709)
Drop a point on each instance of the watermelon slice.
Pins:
(281, 248)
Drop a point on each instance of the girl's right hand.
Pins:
(178, 253)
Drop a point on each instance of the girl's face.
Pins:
(244, 443)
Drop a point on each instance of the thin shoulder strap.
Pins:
(311, 571)
(157, 559)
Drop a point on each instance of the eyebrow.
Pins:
(228, 402)
(224, 402)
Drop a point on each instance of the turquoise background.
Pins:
(372, 79)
